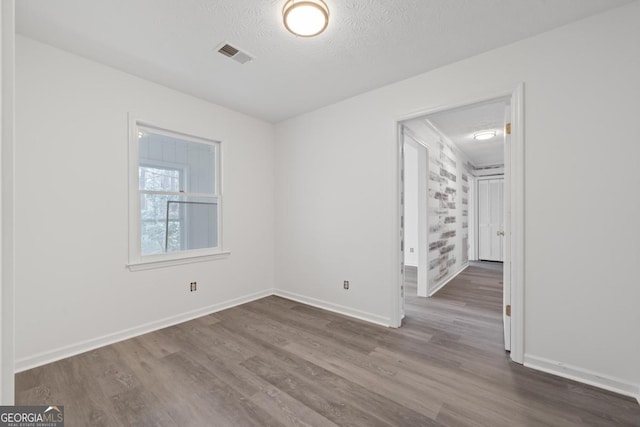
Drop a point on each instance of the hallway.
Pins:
(464, 321)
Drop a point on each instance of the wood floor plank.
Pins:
(341, 401)
(177, 396)
(231, 407)
(288, 410)
(422, 400)
(140, 407)
(278, 362)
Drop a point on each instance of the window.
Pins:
(175, 197)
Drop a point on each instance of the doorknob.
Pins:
(500, 233)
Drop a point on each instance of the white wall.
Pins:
(73, 290)
(410, 202)
(336, 191)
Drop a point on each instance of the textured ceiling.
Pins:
(460, 125)
(369, 43)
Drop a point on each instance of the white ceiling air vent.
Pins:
(234, 53)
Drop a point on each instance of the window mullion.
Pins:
(179, 194)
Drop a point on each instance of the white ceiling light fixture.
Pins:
(305, 18)
(484, 135)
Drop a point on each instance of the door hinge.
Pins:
(508, 128)
(507, 310)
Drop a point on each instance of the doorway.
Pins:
(415, 223)
(453, 230)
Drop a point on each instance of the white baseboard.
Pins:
(539, 363)
(336, 308)
(450, 278)
(585, 376)
(91, 344)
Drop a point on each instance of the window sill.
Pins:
(149, 265)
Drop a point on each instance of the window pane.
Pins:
(153, 223)
(177, 223)
(201, 223)
(170, 156)
(158, 179)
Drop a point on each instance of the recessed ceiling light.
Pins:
(484, 135)
(305, 18)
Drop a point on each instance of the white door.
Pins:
(491, 219)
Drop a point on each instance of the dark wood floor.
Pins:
(277, 362)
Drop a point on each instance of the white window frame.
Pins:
(136, 260)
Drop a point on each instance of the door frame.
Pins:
(7, 127)
(423, 208)
(515, 162)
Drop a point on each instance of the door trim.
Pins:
(516, 192)
(423, 153)
(7, 127)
